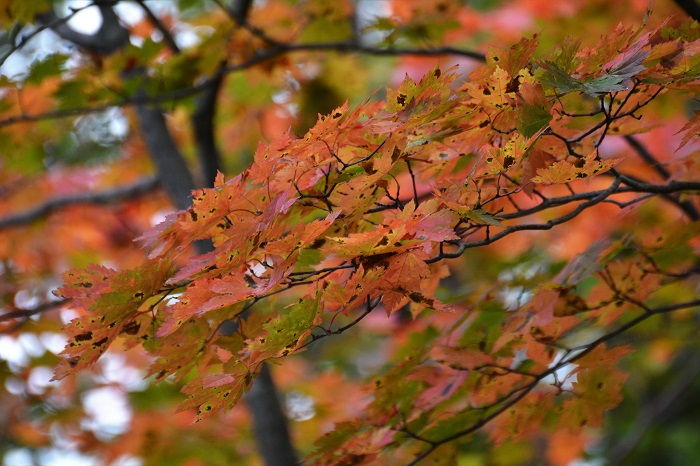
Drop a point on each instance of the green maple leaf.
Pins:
(616, 79)
(52, 65)
(287, 332)
(558, 78)
(534, 109)
(532, 119)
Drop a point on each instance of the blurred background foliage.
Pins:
(67, 129)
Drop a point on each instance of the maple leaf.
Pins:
(434, 224)
(181, 352)
(461, 358)
(691, 130)
(302, 236)
(348, 441)
(161, 238)
(118, 299)
(521, 422)
(598, 387)
(558, 78)
(569, 303)
(535, 110)
(501, 159)
(404, 274)
(515, 57)
(563, 171)
(618, 72)
(493, 91)
(451, 424)
(85, 286)
(349, 293)
(287, 332)
(422, 96)
(327, 124)
(215, 392)
(380, 241)
(536, 159)
(207, 294)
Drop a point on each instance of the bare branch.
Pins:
(106, 197)
(22, 315)
(55, 22)
(110, 37)
(203, 125)
(644, 153)
(261, 57)
(167, 37)
(690, 7)
(686, 206)
(240, 9)
(173, 173)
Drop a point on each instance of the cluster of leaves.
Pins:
(362, 212)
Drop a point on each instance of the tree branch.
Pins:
(261, 57)
(22, 315)
(174, 175)
(269, 421)
(686, 206)
(110, 37)
(106, 197)
(690, 7)
(463, 246)
(645, 155)
(239, 9)
(167, 37)
(203, 124)
(49, 24)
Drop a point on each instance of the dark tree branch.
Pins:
(268, 418)
(352, 47)
(63, 113)
(24, 40)
(667, 191)
(203, 125)
(269, 422)
(110, 37)
(167, 37)
(645, 155)
(239, 9)
(238, 12)
(463, 246)
(263, 401)
(106, 197)
(686, 206)
(261, 57)
(174, 175)
(690, 7)
(22, 315)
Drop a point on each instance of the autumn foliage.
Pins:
(500, 239)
